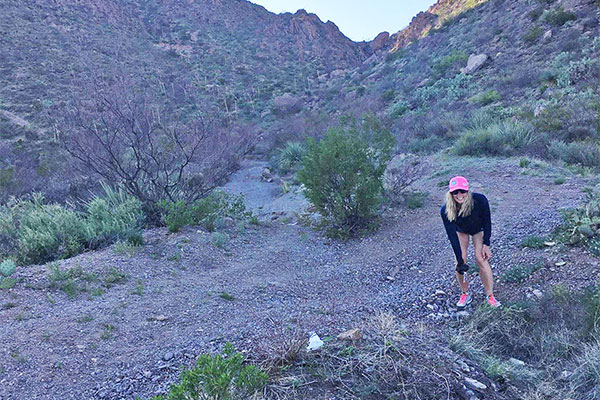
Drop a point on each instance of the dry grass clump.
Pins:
(392, 361)
(556, 338)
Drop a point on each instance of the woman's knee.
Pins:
(479, 259)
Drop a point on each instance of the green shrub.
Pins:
(7, 268)
(520, 273)
(443, 64)
(388, 95)
(532, 35)
(533, 242)
(585, 153)
(558, 16)
(176, 215)
(398, 109)
(35, 232)
(524, 162)
(536, 13)
(426, 145)
(343, 172)
(220, 240)
(207, 211)
(416, 200)
(50, 231)
(219, 377)
(115, 216)
(485, 98)
(445, 89)
(505, 138)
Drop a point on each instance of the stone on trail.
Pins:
(475, 384)
(352, 334)
(560, 263)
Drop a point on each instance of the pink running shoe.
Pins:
(493, 302)
(465, 299)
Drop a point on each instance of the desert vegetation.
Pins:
(122, 121)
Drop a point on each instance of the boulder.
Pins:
(474, 63)
(287, 104)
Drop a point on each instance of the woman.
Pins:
(467, 215)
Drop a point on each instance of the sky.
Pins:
(357, 19)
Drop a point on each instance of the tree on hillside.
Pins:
(129, 136)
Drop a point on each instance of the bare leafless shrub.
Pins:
(126, 134)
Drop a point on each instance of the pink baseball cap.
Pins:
(458, 182)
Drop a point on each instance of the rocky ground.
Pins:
(135, 316)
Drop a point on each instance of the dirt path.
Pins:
(185, 296)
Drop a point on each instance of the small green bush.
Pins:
(50, 231)
(485, 98)
(7, 268)
(585, 153)
(443, 64)
(536, 13)
(207, 211)
(558, 16)
(533, 242)
(343, 172)
(532, 35)
(524, 162)
(219, 377)
(416, 200)
(115, 216)
(388, 95)
(519, 273)
(220, 240)
(176, 215)
(33, 231)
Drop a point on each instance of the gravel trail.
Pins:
(184, 296)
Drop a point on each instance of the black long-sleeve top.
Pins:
(479, 220)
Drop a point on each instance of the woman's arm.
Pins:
(487, 220)
(452, 236)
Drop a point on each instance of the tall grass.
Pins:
(504, 138)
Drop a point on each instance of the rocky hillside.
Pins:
(230, 57)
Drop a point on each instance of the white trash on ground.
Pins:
(314, 342)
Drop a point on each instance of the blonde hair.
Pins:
(453, 209)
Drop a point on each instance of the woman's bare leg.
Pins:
(484, 266)
(463, 239)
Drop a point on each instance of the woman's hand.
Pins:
(486, 253)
